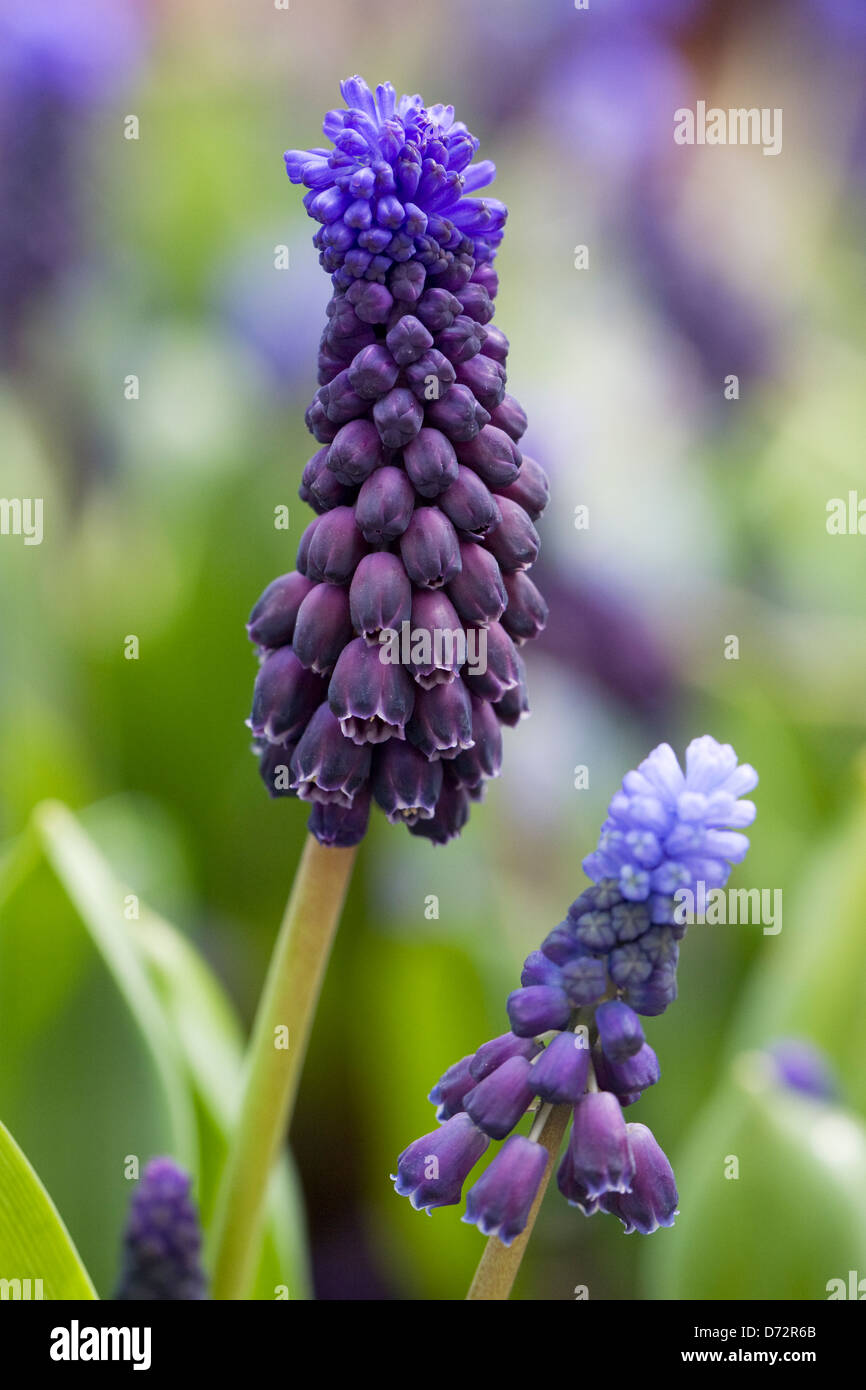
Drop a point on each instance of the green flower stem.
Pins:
(497, 1269)
(273, 1069)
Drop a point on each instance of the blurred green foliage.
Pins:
(703, 525)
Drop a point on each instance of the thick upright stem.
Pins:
(499, 1264)
(275, 1060)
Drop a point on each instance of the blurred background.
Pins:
(153, 257)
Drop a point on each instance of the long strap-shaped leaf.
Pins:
(95, 892)
(37, 1257)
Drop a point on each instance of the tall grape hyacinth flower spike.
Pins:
(389, 656)
(417, 559)
(576, 1053)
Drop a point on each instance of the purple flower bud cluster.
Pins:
(425, 505)
(162, 1241)
(612, 959)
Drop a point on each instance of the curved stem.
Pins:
(275, 1059)
(499, 1264)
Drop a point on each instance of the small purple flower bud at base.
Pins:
(538, 970)
(527, 613)
(514, 542)
(326, 766)
(373, 371)
(162, 1240)
(355, 453)
(484, 758)
(408, 340)
(530, 489)
(502, 673)
(432, 1171)
(492, 1054)
(619, 1030)
(447, 1095)
(469, 505)
(457, 414)
(560, 1073)
(430, 376)
(336, 547)
(372, 699)
(304, 544)
(434, 654)
(405, 784)
(493, 456)
(485, 379)
(449, 818)
(384, 506)
(600, 1151)
(430, 461)
(398, 417)
(478, 591)
(652, 1201)
(275, 768)
(441, 723)
(584, 979)
(323, 627)
(380, 595)
(272, 621)
(536, 1009)
(498, 1102)
(429, 549)
(371, 302)
(341, 402)
(340, 827)
(561, 945)
(438, 309)
(500, 1201)
(285, 697)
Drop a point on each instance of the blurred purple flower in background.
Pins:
(58, 63)
(803, 1067)
(276, 315)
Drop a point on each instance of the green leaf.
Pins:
(772, 1196)
(98, 898)
(212, 1043)
(34, 1243)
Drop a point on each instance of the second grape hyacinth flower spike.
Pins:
(390, 655)
(609, 963)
